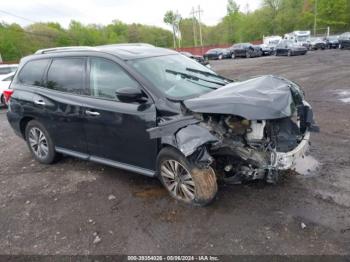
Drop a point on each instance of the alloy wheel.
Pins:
(177, 180)
(38, 143)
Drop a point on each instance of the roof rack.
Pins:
(65, 48)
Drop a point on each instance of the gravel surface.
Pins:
(77, 207)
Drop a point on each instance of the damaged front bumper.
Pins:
(284, 161)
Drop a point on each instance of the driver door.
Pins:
(115, 130)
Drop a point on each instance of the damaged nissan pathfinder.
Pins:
(156, 112)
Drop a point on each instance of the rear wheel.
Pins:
(233, 55)
(40, 143)
(2, 100)
(220, 57)
(289, 53)
(248, 55)
(185, 181)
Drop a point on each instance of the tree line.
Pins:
(16, 42)
(238, 25)
(274, 17)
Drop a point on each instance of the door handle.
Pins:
(92, 113)
(39, 102)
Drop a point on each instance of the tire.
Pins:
(289, 53)
(220, 57)
(2, 101)
(200, 183)
(233, 56)
(48, 155)
(247, 54)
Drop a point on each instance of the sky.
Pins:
(103, 12)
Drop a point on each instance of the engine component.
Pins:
(257, 130)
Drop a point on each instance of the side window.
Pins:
(67, 75)
(32, 72)
(106, 77)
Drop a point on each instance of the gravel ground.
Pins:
(77, 207)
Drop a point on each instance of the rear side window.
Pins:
(32, 72)
(67, 75)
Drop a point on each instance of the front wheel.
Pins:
(289, 53)
(184, 180)
(40, 143)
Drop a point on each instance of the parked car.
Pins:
(266, 49)
(317, 43)
(152, 111)
(198, 58)
(344, 41)
(7, 69)
(332, 41)
(290, 48)
(5, 81)
(245, 50)
(217, 54)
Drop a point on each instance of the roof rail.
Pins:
(65, 48)
(128, 44)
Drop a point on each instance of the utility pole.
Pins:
(200, 24)
(315, 18)
(194, 26)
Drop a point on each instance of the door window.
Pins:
(68, 75)
(106, 77)
(32, 72)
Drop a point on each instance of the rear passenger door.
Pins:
(116, 130)
(62, 101)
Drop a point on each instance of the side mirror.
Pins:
(130, 94)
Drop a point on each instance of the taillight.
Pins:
(7, 94)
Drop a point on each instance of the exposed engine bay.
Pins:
(246, 145)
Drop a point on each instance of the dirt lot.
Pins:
(63, 208)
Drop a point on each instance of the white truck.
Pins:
(300, 37)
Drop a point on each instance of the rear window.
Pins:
(68, 75)
(32, 72)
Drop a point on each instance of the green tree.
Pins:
(170, 19)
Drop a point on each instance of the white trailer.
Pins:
(300, 37)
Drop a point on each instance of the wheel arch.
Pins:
(23, 124)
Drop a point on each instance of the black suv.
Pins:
(154, 111)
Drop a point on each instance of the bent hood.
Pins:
(260, 98)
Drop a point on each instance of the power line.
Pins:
(33, 33)
(18, 16)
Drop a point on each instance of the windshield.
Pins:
(213, 51)
(303, 38)
(177, 76)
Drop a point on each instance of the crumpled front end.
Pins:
(245, 131)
